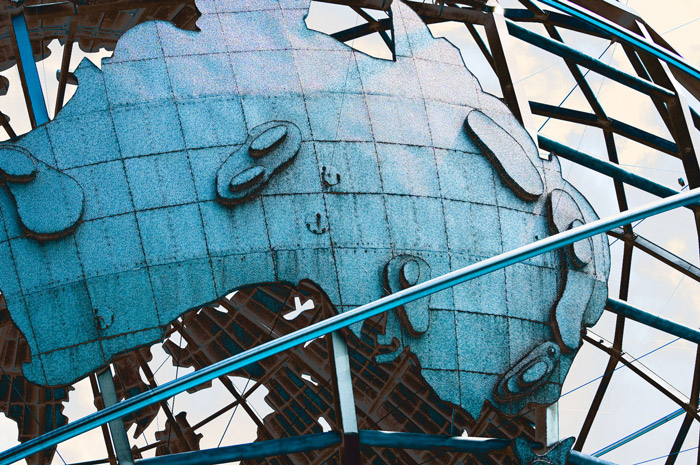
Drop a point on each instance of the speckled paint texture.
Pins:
(383, 175)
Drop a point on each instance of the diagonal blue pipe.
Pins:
(623, 35)
(343, 320)
(662, 324)
(641, 432)
(29, 70)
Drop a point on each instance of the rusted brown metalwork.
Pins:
(676, 396)
(97, 23)
(187, 441)
(688, 419)
(35, 409)
(390, 396)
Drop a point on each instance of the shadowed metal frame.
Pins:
(340, 321)
(649, 55)
(661, 73)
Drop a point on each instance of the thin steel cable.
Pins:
(28, 409)
(636, 359)
(228, 424)
(160, 366)
(682, 25)
(576, 87)
(619, 367)
(665, 456)
(172, 408)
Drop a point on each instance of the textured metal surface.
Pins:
(146, 138)
(577, 256)
(391, 395)
(280, 344)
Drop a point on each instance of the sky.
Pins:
(630, 403)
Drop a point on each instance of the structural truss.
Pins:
(661, 75)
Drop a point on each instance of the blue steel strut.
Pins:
(624, 35)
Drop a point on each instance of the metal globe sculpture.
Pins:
(258, 151)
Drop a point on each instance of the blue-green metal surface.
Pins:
(197, 163)
(343, 320)
(369, 438)
(255, 450)
(431, 442)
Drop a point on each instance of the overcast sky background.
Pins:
(630, 403)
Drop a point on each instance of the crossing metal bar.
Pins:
(658, 252)
(604, 167)
(387, 439)
(636, 367)
(587, 61)
(636, 434)
(624, 35)
(662, 324)
(254, 450)
(618, 127)
(342, 320)
(116, 427)
(28, 72)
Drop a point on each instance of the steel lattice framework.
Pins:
(661, 75)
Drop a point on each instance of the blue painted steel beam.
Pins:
(340, 321)
(624, 35)
(604, 167)
(662, 324)
(419, 441)
(251, 451)
(311, 442)
(521, 15)
(455, 444)
(580, 58)
(590, 119)
(27, 67)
